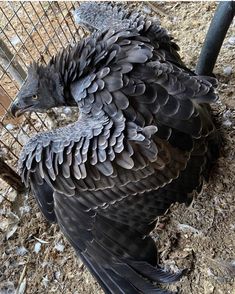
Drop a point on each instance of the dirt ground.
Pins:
(36, 258)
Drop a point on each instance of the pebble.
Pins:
(57, 275)
(11, 231)
(11, 195)
(10, 127)
(45, 281)
(59, 247)
(21, 251)
(227, 123)
(228, 70)
(231, 40)
(67, 110)
(174, 20)
(63, 115)
(15, 40)
(37, 247)
(24, 209)
(146, 9)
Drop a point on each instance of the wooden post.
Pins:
(11, 177)
(15, 69)
(19, 75)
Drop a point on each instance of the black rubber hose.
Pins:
(215, 36)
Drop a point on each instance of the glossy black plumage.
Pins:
(142, 142)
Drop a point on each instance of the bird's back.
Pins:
(144, 140)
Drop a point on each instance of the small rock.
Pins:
(209, 273)
(57, 275)
(227, 118)
(174, 19)
(25, 128)
(228, 70)
(63, 115)
(231, 40)
(45, 281)
(67, 110)
(12, 194)
(185, 227)
(21, 251)
(37, 247)
(24, 209)
(11, 231)
(15, 40)
(59, 247)
(146, 9)
(10, 127)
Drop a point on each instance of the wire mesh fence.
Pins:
(29, 31)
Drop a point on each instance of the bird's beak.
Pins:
(18, 108)
(14, 109)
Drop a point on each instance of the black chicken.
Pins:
(145, 139)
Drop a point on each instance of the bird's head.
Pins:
(41, 91)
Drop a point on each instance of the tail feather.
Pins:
(129, 277)
(156, 274)
(110, 282)
(126, 274)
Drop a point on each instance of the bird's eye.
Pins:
(34, 97)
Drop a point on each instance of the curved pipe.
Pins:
(215, 36)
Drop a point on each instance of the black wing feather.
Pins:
(140, 144)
